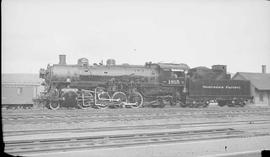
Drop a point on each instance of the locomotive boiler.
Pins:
(101, 86)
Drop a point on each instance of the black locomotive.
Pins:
(153, 84)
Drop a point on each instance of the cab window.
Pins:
(178, 74)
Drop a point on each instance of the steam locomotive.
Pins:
(133, 86)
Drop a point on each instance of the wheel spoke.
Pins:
(136, 99)
(120, 97)
(84, 99)
(102, 100)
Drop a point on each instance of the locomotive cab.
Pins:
(173, 74)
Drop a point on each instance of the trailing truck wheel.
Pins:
(54, 105)
(161, 103)
(136, 100)
(183, 104)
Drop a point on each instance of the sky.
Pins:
(235, 33)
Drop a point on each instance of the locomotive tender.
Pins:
(155, 84)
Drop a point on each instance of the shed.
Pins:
(18, 89)
(260, 86)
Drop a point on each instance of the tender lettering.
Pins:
(213, 87)
(220, 87)
(232, 87)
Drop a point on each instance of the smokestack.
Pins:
(62, 59)
(263, 69)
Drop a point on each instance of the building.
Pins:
(18, 89)
(260, 86)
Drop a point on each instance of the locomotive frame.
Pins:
(131, 86)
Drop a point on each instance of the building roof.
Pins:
(259, 80)
(21, 78)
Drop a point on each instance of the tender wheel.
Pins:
(232, 104)
(136, 100)
(120, 97)
(242, 103)
(54, 105)
(102, 100)
(221, 103)
(84, 100)
(205, 103)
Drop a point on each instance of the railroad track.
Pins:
(126, 110)
(88, 120)
(114, 116)
(198, 130)
(141, 127)
(24, 147)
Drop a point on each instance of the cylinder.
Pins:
(62, 59)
